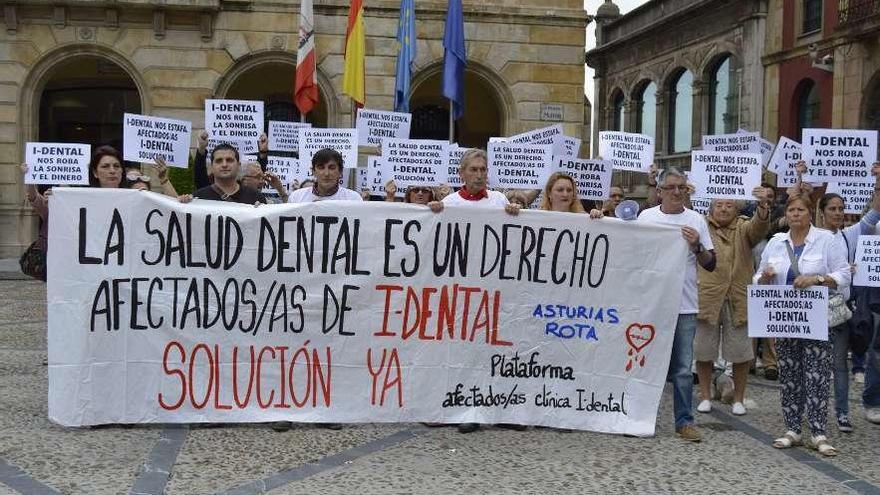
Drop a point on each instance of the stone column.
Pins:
(661, 140)
(699, 118)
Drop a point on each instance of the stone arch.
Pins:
(672, 74)
(262, 59)
(716, 56)
(869, 113)
(493, 82)
(41, 73)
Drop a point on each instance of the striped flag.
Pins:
(406, 40)
(305, 87)
(355, 50)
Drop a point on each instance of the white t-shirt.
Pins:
(305, 195)
(693, 219)
(494, 199)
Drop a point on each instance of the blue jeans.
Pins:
(871, 393)
(839, 337)
(680, 370)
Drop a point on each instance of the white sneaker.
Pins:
(704, 407)
(739, 409)
(872, 414)
(859, 378)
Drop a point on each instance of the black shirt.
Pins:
(245, 195)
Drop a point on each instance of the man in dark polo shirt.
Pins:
(225, 166)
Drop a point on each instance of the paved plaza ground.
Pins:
(735, 457)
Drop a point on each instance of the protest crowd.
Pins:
(798, 235)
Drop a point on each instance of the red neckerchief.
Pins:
(463, 192)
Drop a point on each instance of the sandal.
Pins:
(821, 445)
(790, 439)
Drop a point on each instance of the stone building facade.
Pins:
(823, 66)
(70, 68)
(679, 69)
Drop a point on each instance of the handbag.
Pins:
(33, 262)
(838, 312)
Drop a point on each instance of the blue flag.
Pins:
(406, 39)
(454, 58)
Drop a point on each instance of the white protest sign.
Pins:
(345, 141)
(786, 155)
(835, 155)
(592, 177)
(146, 138)
(572, 146)
(57, 163)
(285, 168)
(361, 179)
(867, 261)
(453, 179)
(725, 175)
(627, 151)
(416, 162)
(741, 142)
(701, 205)
(284, 136)
(551, 135)
(375, 126)
(766, 147)
(403, 316)
(235, 120)
(856, 195)
(519, 166)
(781, 311)
(375, 176)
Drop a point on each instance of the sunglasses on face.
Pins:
(135, 176)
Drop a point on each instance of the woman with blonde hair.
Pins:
(560, 194)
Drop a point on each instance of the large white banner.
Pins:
(161, 312)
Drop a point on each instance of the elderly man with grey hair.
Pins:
(672, 189)
(474, 171)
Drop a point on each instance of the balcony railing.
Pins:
(850, 12)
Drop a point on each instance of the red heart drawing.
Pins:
(639, 335)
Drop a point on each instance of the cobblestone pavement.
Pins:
(735, 456)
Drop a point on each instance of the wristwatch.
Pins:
(698, 250)
(820, 279)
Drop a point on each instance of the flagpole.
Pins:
(451, 124)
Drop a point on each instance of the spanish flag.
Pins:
(355, 50)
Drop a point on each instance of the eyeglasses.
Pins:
(681, 188)
(416, 190)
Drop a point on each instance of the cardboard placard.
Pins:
(144, 138)
(375, 126)
(740, 142)
(786, 155)
(856, 195)
(345, 141)
(627, 151)
(835, 155)
(593, 177)
(235, 120)
(519, 166)
(416, 162)
(284, 136)
(57, 163)
(781, 311)
(725, 175)
(867, 262)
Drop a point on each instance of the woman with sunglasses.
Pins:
(419, 195)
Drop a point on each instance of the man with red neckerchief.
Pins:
(474, 171)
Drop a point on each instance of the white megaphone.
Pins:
(627, 210)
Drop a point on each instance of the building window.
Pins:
(812, 16)
(808, 106)
(681, 97)
(647, 105)
(619, 108)
(724, 98)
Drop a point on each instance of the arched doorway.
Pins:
(83, 101)
(483, 115)
(271, 81)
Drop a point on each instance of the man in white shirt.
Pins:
(474, 171)
(327, 170)
(672, 189)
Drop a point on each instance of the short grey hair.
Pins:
(472, 154)
(668, 172)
